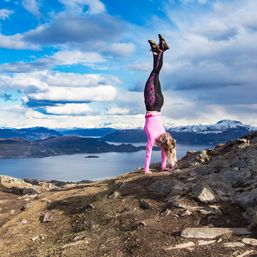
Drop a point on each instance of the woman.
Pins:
(153, 102)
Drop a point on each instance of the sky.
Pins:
(84, 63)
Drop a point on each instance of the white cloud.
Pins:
(19, 116)
(5, 13)
(44, 79)
(67, 57)
(121, 49)
(74, 57)
(15, 42)
(74, 94)
(95, 6)
(140, 66)
(32, 7)
(115, 110)
(70, 109)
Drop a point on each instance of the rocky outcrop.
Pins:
(206, 207)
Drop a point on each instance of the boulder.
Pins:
(168, 185)
(203, 192)
(250, 241)
(211, 233)
(17, 186)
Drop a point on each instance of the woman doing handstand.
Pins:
(153, 102)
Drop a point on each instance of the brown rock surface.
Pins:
(88, 222)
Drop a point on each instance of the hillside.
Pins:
(52, 146)
(206, 207)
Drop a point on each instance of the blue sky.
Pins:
(84, 63)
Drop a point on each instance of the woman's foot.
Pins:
(162, 43)
(154, 47)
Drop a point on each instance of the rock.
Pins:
(144, 204)
(90, 206)
(168, 185)
(26, 206)
(17, 186)
(47, 217)
(79, 237)
(12, 211)
(250, 241)
(235, 178)
(246, 199)
(203, 192)
(35, 238)
(141, 223)
(181, 246)
(211, 210)
(46, 200)
(185, 213)
(212, 233)
(206, 242)
(114, 195)
(29, 197)
(75, 243)
(180, 202)
(23, 221)
(166, 212)
(190, 152)
(233, 244)
(246, 253)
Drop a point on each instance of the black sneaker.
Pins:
(162, 43)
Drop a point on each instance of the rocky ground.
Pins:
(206, 207)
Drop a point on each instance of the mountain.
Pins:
(217, 128)
(126, 135)
(36, 133)
(220, 132)
(206, 207)
(20, 148)
(31, 134)
(86, 132)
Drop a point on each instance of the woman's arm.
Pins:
(149, 149)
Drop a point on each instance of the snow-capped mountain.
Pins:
(217, 128)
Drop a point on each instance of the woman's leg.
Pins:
(152, 93)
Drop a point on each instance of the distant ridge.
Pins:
(52, 146)
(220, 132)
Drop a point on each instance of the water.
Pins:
(76, 167)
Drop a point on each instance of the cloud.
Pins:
(70, 109)
(32, 7)
(74, 29)
(41, 80)
(49, 88)
(56, 94)
(67, 57)
(212, 61)
(94, 6)
(15, 42)
(5, 13)
(140, 66)
(115, 110)
(120, 49)
(75, 57)
(20, 116)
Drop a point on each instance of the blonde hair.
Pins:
(168, 144)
